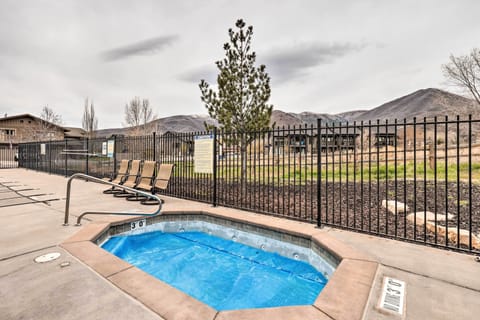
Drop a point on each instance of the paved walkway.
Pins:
(440, 284)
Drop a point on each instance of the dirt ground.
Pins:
(352, 205)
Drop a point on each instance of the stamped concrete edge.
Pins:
(280, 313)
(346, 294)
(101, 261)
(340, 249)
(88, 232)
(160, 297)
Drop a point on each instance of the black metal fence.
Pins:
(411, 180)
(8, 156)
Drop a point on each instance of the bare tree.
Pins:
(138, 115)
(45, 128)
(89, 120)
(147, 116)
(464, 72)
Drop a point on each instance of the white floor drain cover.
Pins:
(47, 257)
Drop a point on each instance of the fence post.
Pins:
(114, 155)
(66, 157)
(50, 156)
(319, 175)
(214, 166)
(154, 151)
(86, 159)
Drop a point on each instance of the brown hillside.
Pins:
(424, 103)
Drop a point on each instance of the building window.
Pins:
(21, 120)
(9, 132)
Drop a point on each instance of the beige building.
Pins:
(27, 128)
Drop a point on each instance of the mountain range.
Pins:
(422, 103)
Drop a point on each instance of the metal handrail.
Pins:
(121, 213)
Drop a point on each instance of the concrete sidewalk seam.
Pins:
(322, 311)
(428, 277)
(115, 273)
(370, 294)
(25, 253)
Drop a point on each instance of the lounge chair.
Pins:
(120, 177)
(161, 181)
(145, 180)
(131, 179)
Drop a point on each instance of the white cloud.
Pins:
(316, 52)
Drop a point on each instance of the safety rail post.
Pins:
(121, 213)
(214, 200)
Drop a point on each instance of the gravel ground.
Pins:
(353, 204)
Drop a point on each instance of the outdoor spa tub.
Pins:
(214, 265)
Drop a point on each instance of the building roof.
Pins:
(70, 132)
(27, 115)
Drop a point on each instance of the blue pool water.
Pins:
(223, 274)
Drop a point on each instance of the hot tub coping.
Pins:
(344, 297)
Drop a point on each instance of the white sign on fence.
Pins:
(43, 149)
(110, 148)
(203, 154)
(104, 148)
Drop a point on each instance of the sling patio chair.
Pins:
(145, 180)
(161, 181)
(122, 173)
(131, 179)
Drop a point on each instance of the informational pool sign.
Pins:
(110, 148)
(203, 154)
(104, 148)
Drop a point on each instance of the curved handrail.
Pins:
(94, 179)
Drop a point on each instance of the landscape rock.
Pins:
(462, 234)
(418, 220)
(430, 216)
(453, 233)
(390, 205)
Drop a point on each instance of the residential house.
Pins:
(175, 143)
(384, 136)
(26, 128)
(341, 137)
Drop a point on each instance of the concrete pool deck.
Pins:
(440, 284)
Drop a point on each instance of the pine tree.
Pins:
(240, 105)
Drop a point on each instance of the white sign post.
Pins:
(203, 154)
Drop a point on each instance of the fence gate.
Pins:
(8, 156)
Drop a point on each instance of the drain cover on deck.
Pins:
(393, 295)
(47, 257)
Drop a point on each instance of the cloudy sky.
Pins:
(322, 56)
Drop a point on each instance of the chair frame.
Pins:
(115, 179)
(151, 175)
(123, 193)
(163, 176)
